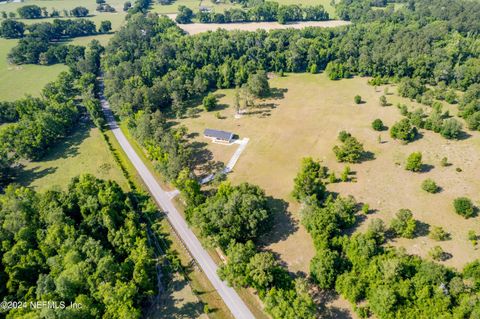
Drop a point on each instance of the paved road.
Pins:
(229, 295)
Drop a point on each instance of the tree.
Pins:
(414, 162)
(100, 1)
(308, 182)
(464, 207)
(376, 230)
(238, 213)
(210, 102)
(403, 130)
(377, 125)
(79, 12)
(30, 12)
(403, 224)
(258, 84)
(430, 186)
(105, 27)
(357, 99)
(184, 15)
(11, 29)
(261, 270)
(351, 151)
(324, 267)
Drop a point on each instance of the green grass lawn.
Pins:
(18, 80)
(83, 152)
(116, 18)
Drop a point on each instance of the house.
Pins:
(218, 136)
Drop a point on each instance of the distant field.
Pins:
(306, 121)
(18, 80)
(194, 4)
(83, 152)
(195, 28)
(116, 18)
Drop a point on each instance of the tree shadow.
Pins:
(322, 298)
(463, 136)
(367, 156)
(422, 229)
(28, 176)
(283, 225)
(277, 93)
(425, 168)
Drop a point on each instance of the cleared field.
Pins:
(18, 80)
(304, 120)
(223, 5)
(83, 152)
(195, 28)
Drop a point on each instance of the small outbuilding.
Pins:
(219, 136)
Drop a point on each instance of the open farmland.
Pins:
(304, 120)
(195, 28)
(18, 80)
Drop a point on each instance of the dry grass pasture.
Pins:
(195, 28)
(303, 119)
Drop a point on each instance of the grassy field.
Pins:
(223, 5)
(18, 80)
(304, 120)
(117, 18)
(83, 152)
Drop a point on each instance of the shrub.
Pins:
(377, 125)
(403, 224)
(472, 237)
(437, 253)
(451, 129)
(403, 130)
(357, 99)
(414, 162)
(383, 100)
(430, 186)
(343, 135)
(437, 233)
(444, 162)
(464, 206)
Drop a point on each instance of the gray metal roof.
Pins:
(221, 135)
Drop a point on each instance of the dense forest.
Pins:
(86, 245)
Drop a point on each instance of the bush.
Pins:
(430, 186)
(437, 233)
(357, 99)
(444, 162)
(464, 206)
(343, 135)
(351, 151)
(414, 162)
(403, 224)
(377, 125)
(451, 129)
(383, 100)
(437, 253)
(403, 130)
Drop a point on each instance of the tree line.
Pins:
(262, 12)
